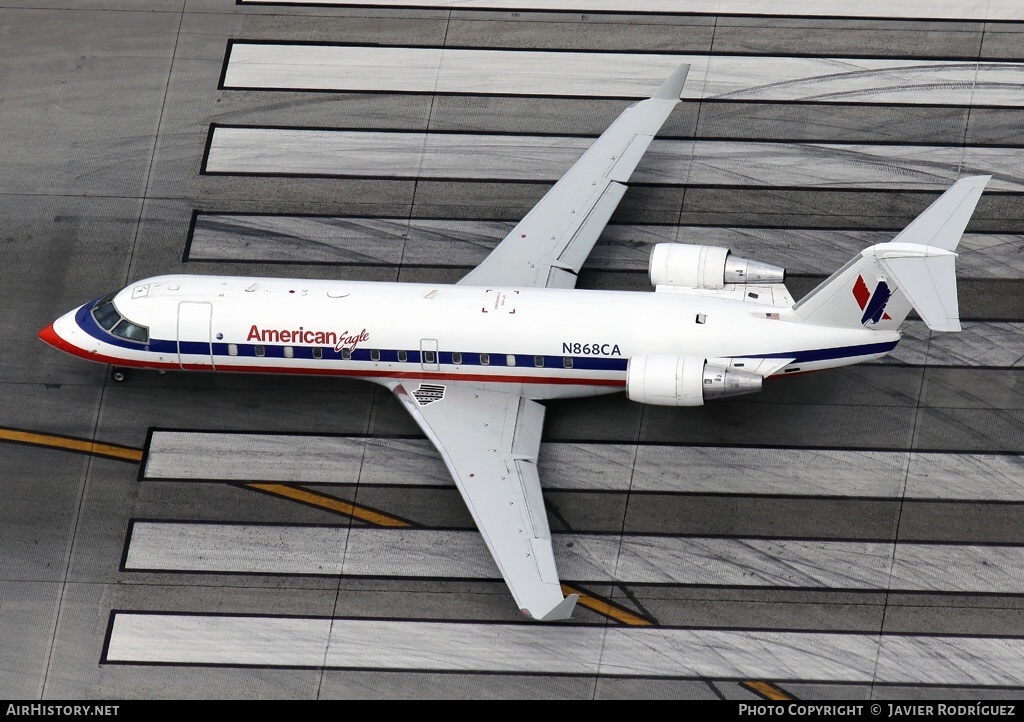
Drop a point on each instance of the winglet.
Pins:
(671, 88)
(562, 611)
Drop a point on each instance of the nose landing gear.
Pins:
(118, 374)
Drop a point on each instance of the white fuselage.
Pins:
(542, 343)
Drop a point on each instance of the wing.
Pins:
(549, 246)
(490, 440)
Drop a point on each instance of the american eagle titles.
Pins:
(345, 339)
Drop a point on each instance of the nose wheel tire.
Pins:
(118, 374)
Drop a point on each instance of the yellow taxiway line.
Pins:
(84, 446)
(331, 504)
(608, 609)
(766, 690)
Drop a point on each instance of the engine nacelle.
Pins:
(684, 381)
(682, 264)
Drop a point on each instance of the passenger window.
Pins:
(429, 357)
(260, 351)
(346, 354)
(456, 358)
(318, 353)
(375, 355)
(538, 361)
(567, 362)
(403, 356)
(485, 359)
(232, 349)
(510, 360)
(289, 352)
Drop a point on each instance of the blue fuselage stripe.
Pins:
(220, 349)
(831, 354)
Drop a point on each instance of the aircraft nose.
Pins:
(61, 333)
(50, 336)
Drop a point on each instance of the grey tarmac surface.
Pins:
(102, 136)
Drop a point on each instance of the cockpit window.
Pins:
(110, 319)
(106, 316)
(127, 329)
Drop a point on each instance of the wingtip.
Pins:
(671, 88)
(976, 180)
(562, 611)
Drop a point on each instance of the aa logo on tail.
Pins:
(872, 304)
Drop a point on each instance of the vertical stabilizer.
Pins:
(880, 286)
(944, 221)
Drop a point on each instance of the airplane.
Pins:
(471, 361)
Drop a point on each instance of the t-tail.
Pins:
(916, 270)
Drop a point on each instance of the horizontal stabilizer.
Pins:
(927, 277)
